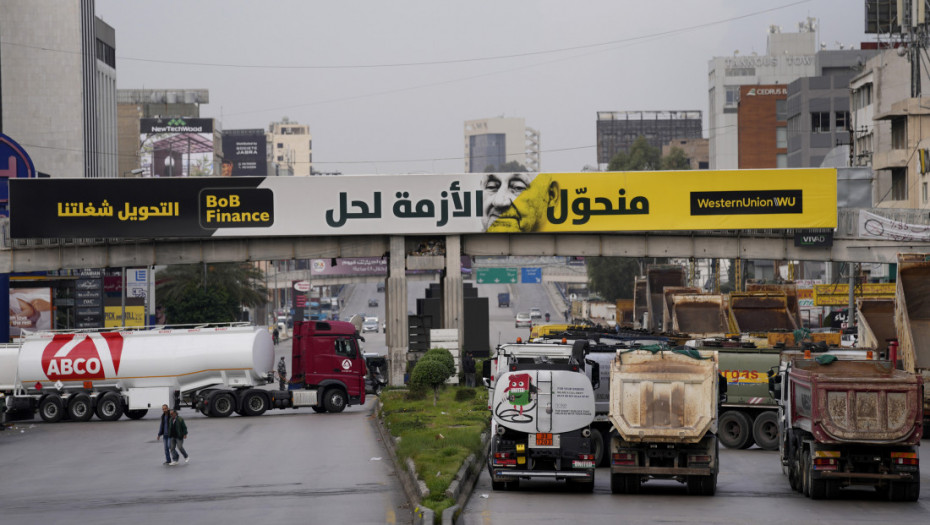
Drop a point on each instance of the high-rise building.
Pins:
(788, 57)
(58, 86)
(492, 142)
(290, 147)
(617, 130)
(135, 104)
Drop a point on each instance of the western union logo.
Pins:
(759, 202)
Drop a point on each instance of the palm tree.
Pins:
(203, 293)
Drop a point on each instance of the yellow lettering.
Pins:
(233, 201)
(211, 201)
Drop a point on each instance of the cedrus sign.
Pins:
(423, 204)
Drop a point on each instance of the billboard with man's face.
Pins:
(245, 151)
(425, 204)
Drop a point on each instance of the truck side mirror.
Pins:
(722, 388)
(774, 385)
(486, 370)
(595, 368)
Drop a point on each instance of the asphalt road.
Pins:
(292, 466)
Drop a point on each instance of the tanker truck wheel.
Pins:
(221, 405)
(318, 409)
(765, 430)
(254, 403)
(80, 407)
(334, 400)
(138, 413)
(50, 408)
(735, 430)
(109, 407)
(600, 449)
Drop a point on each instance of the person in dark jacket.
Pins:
(468, 366)
(177, 429)
(282, 374)
(163, 432)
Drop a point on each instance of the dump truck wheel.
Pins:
(833, 489)
(513, 485)
(702, 485)
(109, 407)
(765, 430)
(498, 485)
(806, 468)
(618, 484)
(50, 409)
(633, 483)
(581, 486)
(80, 408)
(735, 430)
(793, 480)
(903, 490)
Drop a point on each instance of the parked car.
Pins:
(535, 313)
(372, 302)
(523, 319)
(370, 324)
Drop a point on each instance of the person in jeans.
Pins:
(163, 432)
(468, 366)
(178, 432)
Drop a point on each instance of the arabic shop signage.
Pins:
(423, 204)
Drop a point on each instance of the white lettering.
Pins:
(66, 367)
(52, 368)
(93, 365)
(77, 365)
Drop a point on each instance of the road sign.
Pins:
(495, 275)
(530, 275)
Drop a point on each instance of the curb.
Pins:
(460, 488)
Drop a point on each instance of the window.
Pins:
(924, 192)
(820, 122)
(842, 121)
(309, 144)
(781, 109)
(862, 97)
(794, 124)
(345, 348)
(781, 160)
(280, 144)
(280, 158)
(781, 137)
(740, 71)
(899, 133)
(732, 95)
(898, 184)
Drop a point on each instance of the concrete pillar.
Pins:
(453, 300)
(395, 311)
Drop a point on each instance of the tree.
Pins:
(640, 157)
(675, 160)
(215, 293)
(612, 277)
(443, 355)
(430, 372)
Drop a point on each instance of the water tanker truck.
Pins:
(542, 406)
(218, 370)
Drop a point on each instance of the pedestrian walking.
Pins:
(178, 431)
(275, 335)
(163, 431)
(468, 366)
(282, 374)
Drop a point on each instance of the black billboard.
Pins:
(137, 208)
(245, 153)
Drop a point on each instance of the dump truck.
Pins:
(668, 293)
(698, 315)
(791, 296)
(218, 370)
(876, 322)
(657, 278)
(663, 405)
(640, 303)
(848, 422)
(542, 406)
(912, 318)
(760, 312)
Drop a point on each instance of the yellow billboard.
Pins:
(838, 294)
(676, 200)
(135, 316)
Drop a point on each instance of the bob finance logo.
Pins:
(70, 357)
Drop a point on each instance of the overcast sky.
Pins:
(386, 86)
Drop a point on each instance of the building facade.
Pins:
(493, 142)
(58, 86)
(695, 151)
(819, 119)
(617, 130)
(788, 57)
(761, 132)
(290, 148)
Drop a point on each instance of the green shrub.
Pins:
(443, 355)
(430, 372)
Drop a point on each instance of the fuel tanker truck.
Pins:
(542, 407)
(218, 370)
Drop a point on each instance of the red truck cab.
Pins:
(325, 356)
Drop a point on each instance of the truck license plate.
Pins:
(545, 439)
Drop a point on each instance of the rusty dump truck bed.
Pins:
(861, 401)
(876, 322)
(664, 397)
(760, 312)
(912, 315)
(701, 315)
